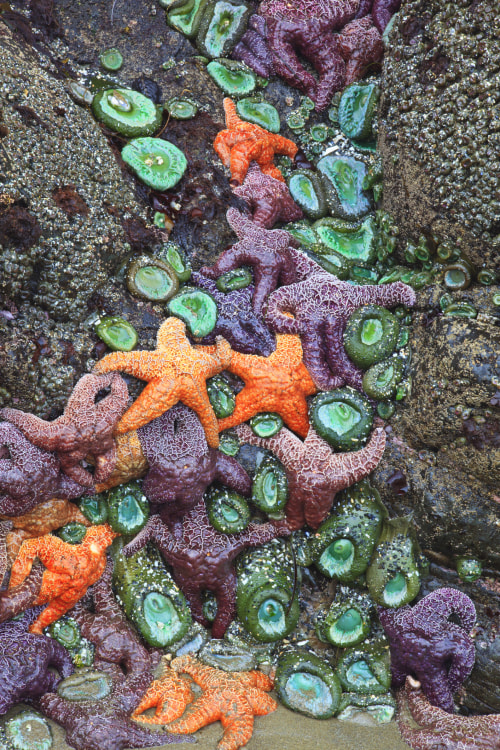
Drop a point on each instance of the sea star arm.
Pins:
(261, 703)
(230, 473)
(204, 710)
(224, 142)
(39, 432)
(281, 305)
(143, 364)
(156, 398)
(241, 155)
(23, 596)
(313, 342)
(5, 528)
(235, 257)
(284, 445)
(345, 469)
(154, 530)
(445, 602)
(382, 12)
(340, 364)
(24, 561)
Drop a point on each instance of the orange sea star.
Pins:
(243, 142)
(44, 518)
(170, 694)
(278, 383)
(71, 569)
(131, 463)
(175, 371)
(233, 698)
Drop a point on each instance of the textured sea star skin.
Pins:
(130, 464)
(22, 597)
(305, 27)
(441, 731)
(85, 428)
(114, 639)
(175, 371)
(5, 528)
(242, 328)
(182, 466)
(202, 559)
(169, 695)
(29, 475)
(269, 199)
(252, 48)
(25, 660)
(106, 724)
(423, 643)
(314, 473)
(46, 517)
(271, 254)
(321, 305)
(234, 698)
(243, 142)
(71, 569)
(381, 11)
(279, 383)
(360, 44)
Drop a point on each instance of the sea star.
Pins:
(22, 597)
(244, 142)
(107, 628)
(252, 49)
(242, 328)
(175, 371)
(233, 698)
(305, 27)
(27, 662)
(438, 730)
(85, 428)
(202, 559)
(71, 569)
(182, 466)
(271, 253)
(381, 11)
(361, 46)
(279, 383)
(321, 305)
(314, 473)
(46, 517)
(105, 724)
(29, 475)
(425, 644)
(269, 199)
(130, 462)
(5, 528)
(169, 695)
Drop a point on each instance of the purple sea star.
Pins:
(107, 628)
(361, 46)
(106, 724)
(22, 597)
(202, 559)
(26, 661)
(268, 198)
(381, 11)
(85, 428)
(271, 253)
(29, 475)
(314, 472)
(236, 321)
(439, 729)
(182, 466)
(425, 644)
(252, 48)
(305, 27)
(321, 305)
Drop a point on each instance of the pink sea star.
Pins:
(321, 305)
(269, 199)
(314, 472)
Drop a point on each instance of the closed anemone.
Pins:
(221, 396)
(28, 731)
(152, 279)
(365, 669)
(355, 241)
(128, 508)
(307, 190)
(266, 424)
(356, 110)
(348, 620)
(393, 576)
(346, 197)
(227, 511)
(307, 684)
(270, 487)
(221, 27)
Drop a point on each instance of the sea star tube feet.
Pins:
(202, 559)
(321, 305)
(175, 371)
(29, 475)
(425, 644)
(439, 729)
(182, 466)
(314, 472)
(85, 428)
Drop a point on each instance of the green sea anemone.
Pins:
(227, 511)
(233, 77)
(306, 188)
(371, 335)
(117, 333)
(270, 487)
(357, 107)
(343, 417)
(156, 162)
(307, 684)
(221, 396)
(128, 508)
(256, 110)
(393, 576)
(127, 112)
(346, 197)
(196, 308)
(348, 621)
(221, 26)
(365, 668)
(152, 279)
(355, 241)
(266, 424)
